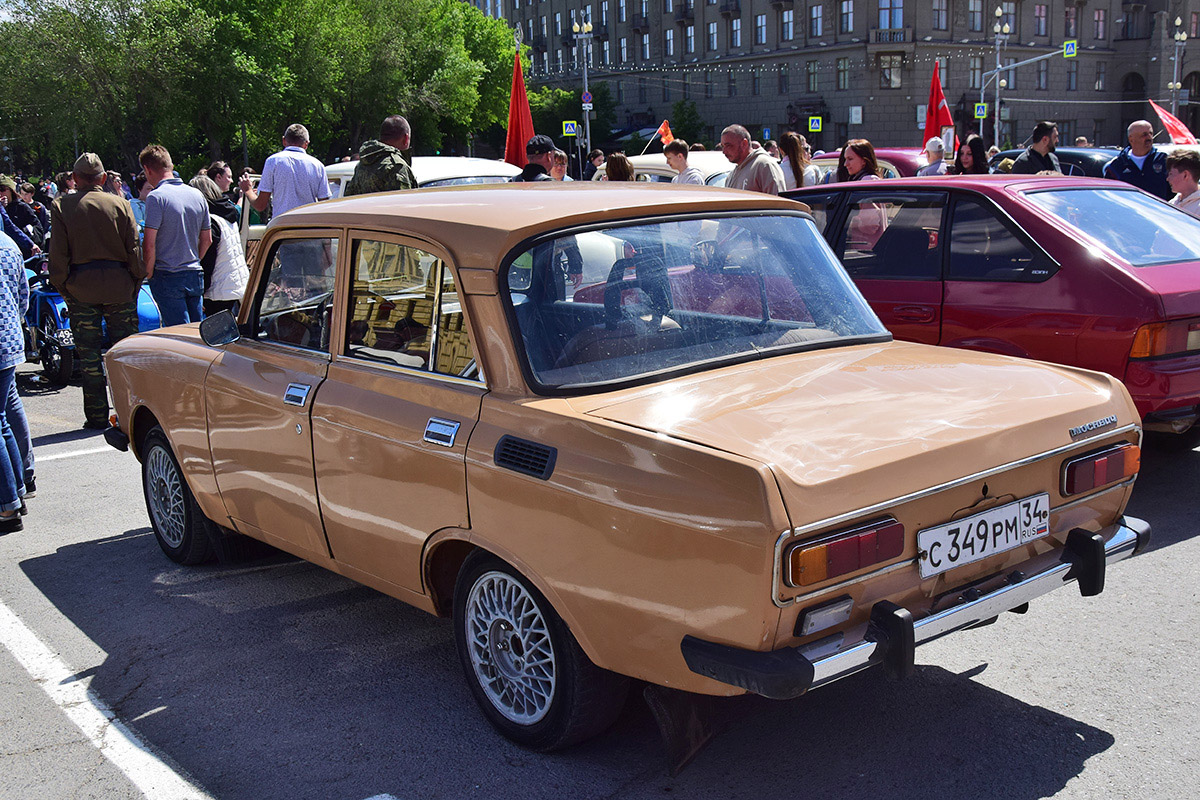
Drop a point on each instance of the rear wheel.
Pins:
(58, 362)
(179, 525)
(533, 682)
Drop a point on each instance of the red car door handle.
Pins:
(915, 313)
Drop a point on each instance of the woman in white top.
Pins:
(225, 270)
(798, 171)
(1183, 172)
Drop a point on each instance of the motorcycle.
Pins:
(48, 337)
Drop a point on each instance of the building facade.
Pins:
(864, 66)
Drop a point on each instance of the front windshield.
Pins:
(610, 305)
(1162, 234)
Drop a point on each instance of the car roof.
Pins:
(436, 168)
(709, 162)
(478, 225)
(987, 184)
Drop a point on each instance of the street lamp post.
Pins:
(583, 34)
(1002, 32)
(1180, 42)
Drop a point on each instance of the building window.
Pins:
(1039, 20)
(810, 75)
(668, 6)
(689, 39)
(604, 13)
(1010, 76)
(814, 21)
(975, 73)
(785, 81)
(558, 59)
(756, 81)
(891, 14)
(645, 8)
(620, 10)
(1071, 28)
(1072, 75)
(624, 50)
(669, 41)
(557, 23)
(846, 18)
(1008, 16)
(1100, 18)
(735, 33)
(943, 65)
(708, 85)
(975, 15)
(1101, 75)
(760, 29)
(1195, 25)
(712, 36)
(940, 15)
(731, 84)
(785, 25)
(605, 54)
(843, 74)
(889, 69)
(1043, 75)
(645, 47)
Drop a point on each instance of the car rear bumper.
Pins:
(1166, 391)
(893, 634)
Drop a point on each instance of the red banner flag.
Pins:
(664, 133)
(937, 113)
(1179, 132)
(520, 120)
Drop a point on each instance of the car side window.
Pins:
(405, 311)
(982, 248)
(820, 205)
(893, 237)
(294, 307)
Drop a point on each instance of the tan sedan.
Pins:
(621, 432)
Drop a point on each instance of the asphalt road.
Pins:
(270, 678)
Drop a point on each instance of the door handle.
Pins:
(915, 313)
(296, 394)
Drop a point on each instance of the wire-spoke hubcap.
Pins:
(510, 648)
(164, 491)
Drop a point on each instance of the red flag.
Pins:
(664, 132)
(520, 120)
(937, 113)
(1179, 132)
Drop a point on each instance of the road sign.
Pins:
(587, 106)
(569, 127)
(1069, 48)
(981, 111)
(766, 133)
(814, 124)
(587, 97)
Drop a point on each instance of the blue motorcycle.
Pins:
(48, 337)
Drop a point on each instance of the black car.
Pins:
(1087, 161)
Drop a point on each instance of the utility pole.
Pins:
(1002, 32)
(583, 38)
(1180, 42)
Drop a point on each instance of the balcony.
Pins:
(781, 3)
(600, 32)
(640, 23)
(538, 43)
(684, 14)
(892, 35)
(731, 8)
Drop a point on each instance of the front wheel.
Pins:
(179, 525)
(58, 362)
(533, 682)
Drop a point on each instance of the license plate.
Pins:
(978, 536)
(66, 338)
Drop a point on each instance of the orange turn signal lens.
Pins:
(1166, 338)
(845, 552)
(1094, 470)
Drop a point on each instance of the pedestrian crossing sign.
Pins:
(1069, 48)
(814, 124)
(569, 127)
(981, 111)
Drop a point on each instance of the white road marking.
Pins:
(384, 797)
(74, 453)
(111, 736)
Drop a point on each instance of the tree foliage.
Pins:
(114, 75)
(686, 122)
(550, 107)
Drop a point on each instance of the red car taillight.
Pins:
(845, 552)
(1092, 471)
(1175, 337)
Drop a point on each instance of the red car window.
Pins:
(982, 248)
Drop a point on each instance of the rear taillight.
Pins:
(1092, 471)
(845, 552)
(1166, 338)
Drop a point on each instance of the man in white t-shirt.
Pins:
(290, 177)
(677, 155)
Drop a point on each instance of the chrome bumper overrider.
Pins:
(893, 634)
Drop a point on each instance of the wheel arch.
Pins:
(141, 422)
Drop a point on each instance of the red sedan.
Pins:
(1078, 271)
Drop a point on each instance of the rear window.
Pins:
(1162, 234)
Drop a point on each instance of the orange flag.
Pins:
(664, 133)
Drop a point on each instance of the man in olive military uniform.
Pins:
(95, 264)
(381, 165)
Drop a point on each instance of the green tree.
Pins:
(686, 122)
(550, 106)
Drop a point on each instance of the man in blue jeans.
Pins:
(177, 234)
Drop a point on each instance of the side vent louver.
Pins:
(525, 457)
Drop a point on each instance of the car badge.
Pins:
(1093, 426)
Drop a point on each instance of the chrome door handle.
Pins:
(296, 394)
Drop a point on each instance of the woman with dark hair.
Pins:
(619, 168)
(857, 162)
(971, 158)
(798, 171)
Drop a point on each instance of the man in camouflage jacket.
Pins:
(381, 166)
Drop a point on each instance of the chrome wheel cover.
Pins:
(164, 496)
(510, 648)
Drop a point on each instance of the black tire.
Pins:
(58, 362)
(179, 525)
(563, 697)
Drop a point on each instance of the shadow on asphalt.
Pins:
(273, 678)
(1157, 488)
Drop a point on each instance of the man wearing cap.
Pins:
(935, 151)
(94, 264)
(539, 154)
